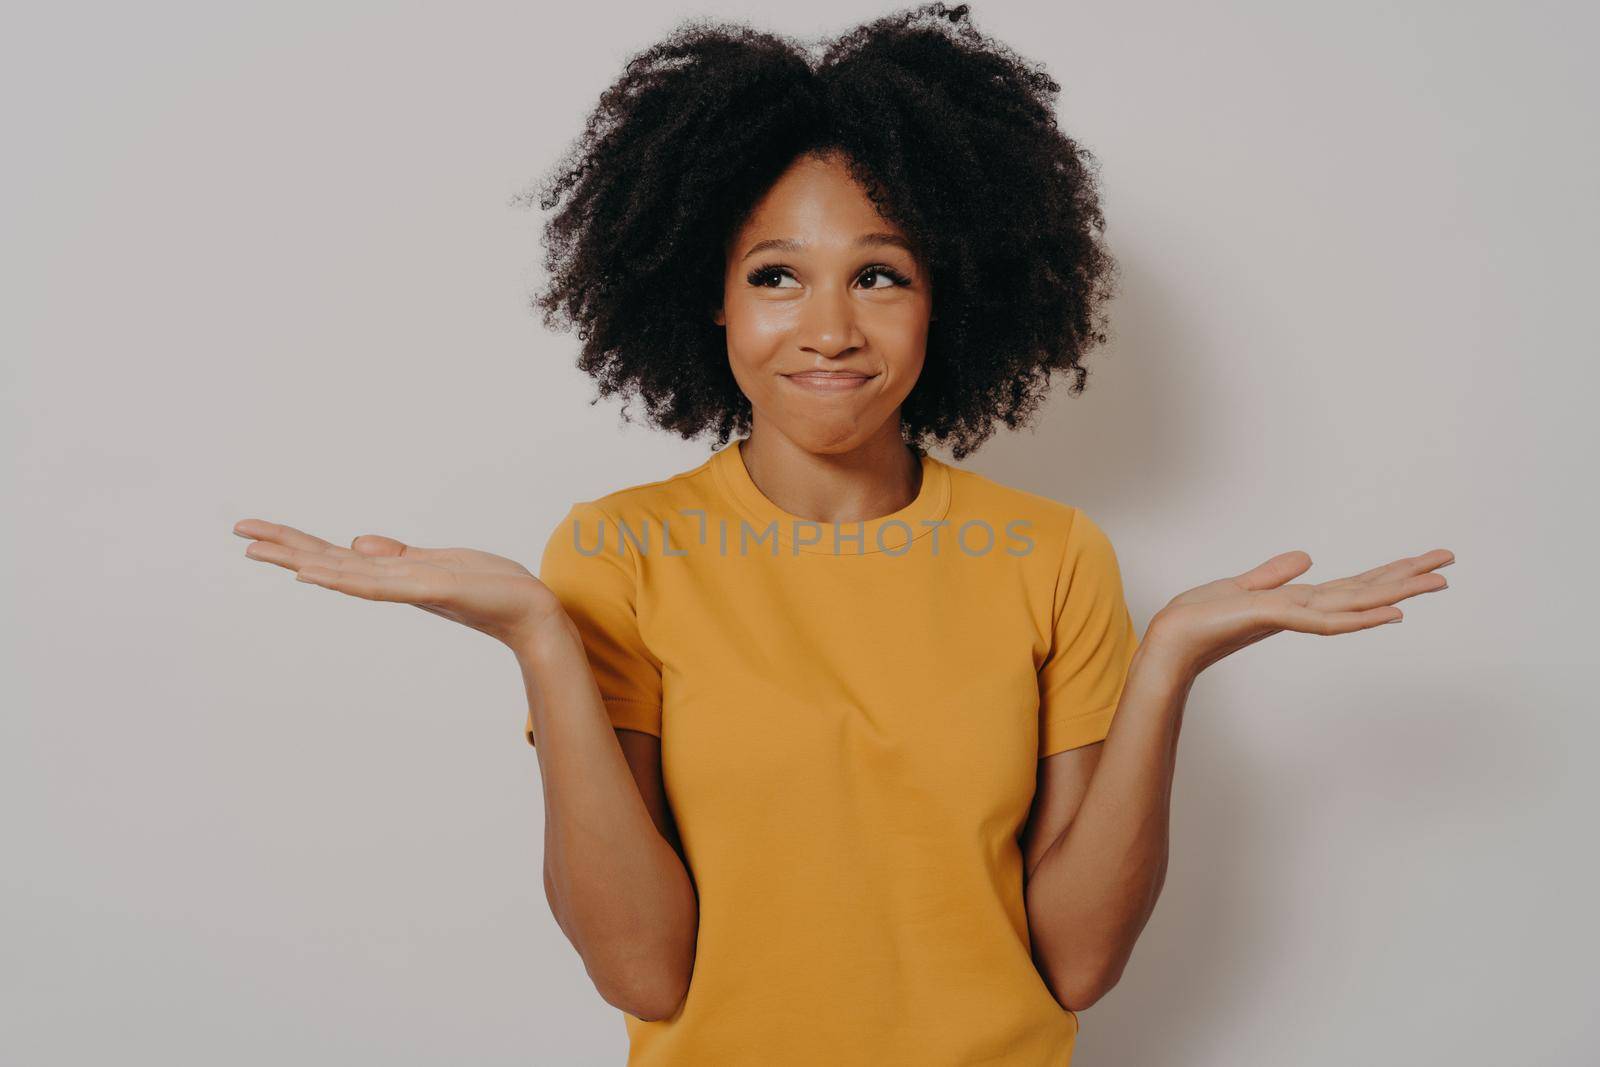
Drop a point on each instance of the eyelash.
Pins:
(755, 276)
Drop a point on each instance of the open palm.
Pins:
(1217, 619)
(491, 594)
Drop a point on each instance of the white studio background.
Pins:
(260, 260)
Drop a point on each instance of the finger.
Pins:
(288, 536)
(292, 558)
(1400, 568)
(1327, 623)
(297, 559)
(1403, 568)
(379, 545)
(420, 586)
(1275, 571)
(1364, 597)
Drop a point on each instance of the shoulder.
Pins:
(599, 542)
(1067, 545)
(978, 496)
(652, 500)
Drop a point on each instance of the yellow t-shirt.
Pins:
(850, 720)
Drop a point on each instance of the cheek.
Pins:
(905, 369)
(905, 346)
(758, 328)
(748, 350)
(756, 335)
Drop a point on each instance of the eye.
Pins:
(768, 277)
(881, 270)
(771, 276)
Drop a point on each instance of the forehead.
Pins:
(817, 203)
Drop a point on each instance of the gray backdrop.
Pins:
(259, 261)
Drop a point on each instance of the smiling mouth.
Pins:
(822, 381)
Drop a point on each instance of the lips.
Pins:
(830, 381)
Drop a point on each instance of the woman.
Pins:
(850, 756)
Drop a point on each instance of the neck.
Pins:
(877, 478)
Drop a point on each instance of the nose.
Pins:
(828, 325)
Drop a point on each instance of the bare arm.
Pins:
(617, 885)
(1063, 781)
(1093, 885)
(619, 889)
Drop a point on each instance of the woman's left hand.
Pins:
(1209, 622)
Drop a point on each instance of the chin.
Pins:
(828, 439)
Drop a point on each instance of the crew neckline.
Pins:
(931, 504)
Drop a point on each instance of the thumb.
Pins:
(1276, 571)
(378, 545)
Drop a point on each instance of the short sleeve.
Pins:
(1092, 643)
(593, 572)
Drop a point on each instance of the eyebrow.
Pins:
(866, 240)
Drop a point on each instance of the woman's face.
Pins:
(826, 310)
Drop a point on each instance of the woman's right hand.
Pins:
(491, 594)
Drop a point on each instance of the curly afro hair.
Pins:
(951, 135)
